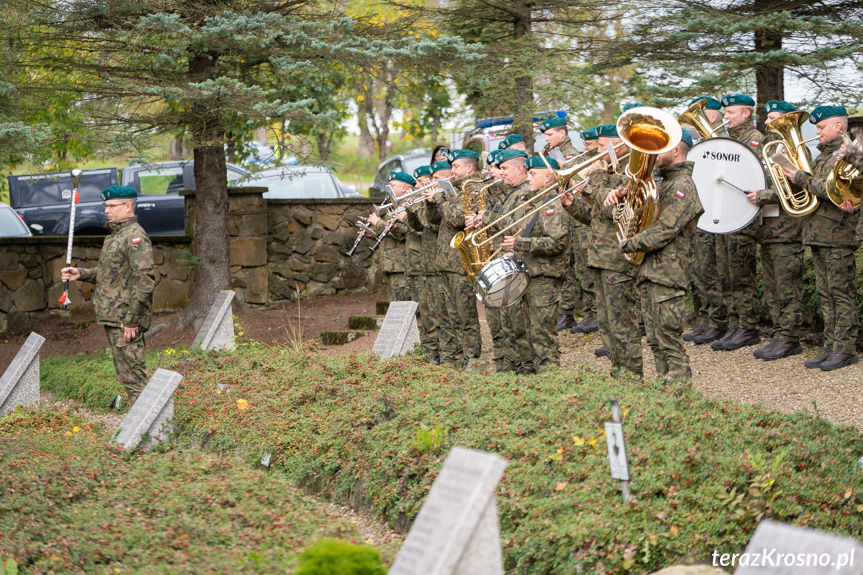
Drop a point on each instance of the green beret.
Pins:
(738, 100)
(510, 154)
(686, 138)
(712, 103)
(440, 166)
(589, 134)
(423, 171)
(554, 122)
(778, 106)
(824, 112)
(631, 105)
(491, 158)
(460, 154)
(119, 192)
(607, 131)
(403, 177)
(509, 141)
(536, 163)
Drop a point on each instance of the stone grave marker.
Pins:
(456, 531)
(774, 545)
(399, 331)
(217, 333)
(20, 383)
(151, 413)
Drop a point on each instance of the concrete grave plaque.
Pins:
(399, 331)
(781, 549)
(20, 383)
(151, 413)
(456, 531)
(217, 333)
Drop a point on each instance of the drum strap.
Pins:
(529, 227)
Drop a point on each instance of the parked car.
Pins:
(300, 182)
(403, 163)
(12, 226)
(261, 155)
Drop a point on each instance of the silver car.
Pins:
(12, 226)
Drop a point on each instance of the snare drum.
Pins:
(720, 165)
(501, 282)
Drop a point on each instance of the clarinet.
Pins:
(363, 229)
(390, 225)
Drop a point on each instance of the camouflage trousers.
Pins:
(569, 291)
(502, 339)
(129, 361)
(705, 271)
(835, 273)
(617, 308)
(535, 325)
(736, 263)
(460, 340)
(586, 275)
(419, 294)
(782, 277)
(397, 287)
(664, 310)
(437, 310)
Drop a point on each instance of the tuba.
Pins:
(473, 195)
(792, 148)
(845, 182)
(696, 117)
(647, 132)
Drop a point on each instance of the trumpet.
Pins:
(792, 148)
(563, 178)
(396, 201)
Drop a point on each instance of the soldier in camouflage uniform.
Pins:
(499, 320)
(616, 299)
(580, 238)
(663, 276)
(125, 279)
(736, 252)
(557, 138)
(391, 251)
(713, 319)
(425, 286)
(781, 242)
(829, 233)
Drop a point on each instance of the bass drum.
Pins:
(721, 166)
(501, 282)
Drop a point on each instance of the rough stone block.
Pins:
(328, 221)
(302, 215)
(5, 300)
(170, 295)
(362, 322)
(152, 412)
(304, 246)
(294, 227)
(249, 252)
(327, 254)
(257, 286)
(75, 297)
(158, 256)
(30, 297)
(175, 269)
(20, 383)
(339, 337)
(316, 233)
(254, 225)
(9, 260)
(13, 280)
(217, 332)
(324, 273)
(354, 277)
(50, 251)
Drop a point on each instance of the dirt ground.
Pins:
(783, 385)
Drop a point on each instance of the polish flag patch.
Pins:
(679, 194)
(753, 144)
(136, 240)
(549, 212)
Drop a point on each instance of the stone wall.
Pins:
(306, 248)
(30, 285)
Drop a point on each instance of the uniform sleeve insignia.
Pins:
(679, 194)
(549, 212)
(136, 240)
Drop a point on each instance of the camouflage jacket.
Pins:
(419, 224)
(125, 277)
(747, 135)
(566, 148)
(391, 251)
(827, 226)
(543, 250)
(449, 212)
(603, 251)
(782, 229)
(414, 262)
(668, 242)
(499, 194)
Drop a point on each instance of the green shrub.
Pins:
(348, 427)
(72, 502)
(333, 557)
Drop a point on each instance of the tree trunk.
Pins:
(769, 79)
(367, 144)
(324, 141)
(523, 101)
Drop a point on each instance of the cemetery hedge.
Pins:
(376, 434)
(72, 502)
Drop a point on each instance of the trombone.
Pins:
(563, 177)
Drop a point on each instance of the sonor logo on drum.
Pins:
(721, 156)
